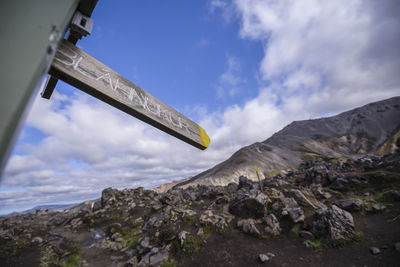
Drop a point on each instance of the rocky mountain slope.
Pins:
(330, 213)
(372, 129)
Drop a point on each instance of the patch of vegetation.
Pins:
(133, 231)
(207, 230)
(358, 235)
(169, 263)
(131, 236)
(316, 244)
(9, 247)
(333, 192)
(48, 257)
(133, 241)
(73, 261)
(132, 211)
(191, 245)
(191, 219)
(117, 216)
(149, 215)
(383, 180)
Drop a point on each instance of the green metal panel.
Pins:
(29, 31)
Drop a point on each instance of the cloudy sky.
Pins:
(241, 69)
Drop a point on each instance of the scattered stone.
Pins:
(182, 236)
(350, 205)
(159, 257)
(37, 239)
(145, 243)
(219, 221)
(200, 232)
(248, 226)
(263, 258)
(306, 235)
(391, 196)
(266, 257)
(273, 228)
(378, 207)
(296, 215)
(374, 250)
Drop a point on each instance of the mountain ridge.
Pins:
(372, 128)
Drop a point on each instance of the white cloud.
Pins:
(230, 81)
(344, 53)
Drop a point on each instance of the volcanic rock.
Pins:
(334, 225)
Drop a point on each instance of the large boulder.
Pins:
(334, 225)
(249, 205)
(108, 196)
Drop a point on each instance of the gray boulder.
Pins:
(108, 196)
(351, 204)
(334, 225)
(249, 205)
(244, 182)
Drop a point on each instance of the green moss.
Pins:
(132, 211)
(149, 215)
(190, 219)
(10, 247)
(357, 236)
(48, 257)
(73, 260)
(133, 231)
(191, 245)
(117, 216)
(207, 230)
(316, 244)
(169, 263)
(383, 180)
(333, 192)
(133, 241)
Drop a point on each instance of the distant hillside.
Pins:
(43, 207)
(373, 128)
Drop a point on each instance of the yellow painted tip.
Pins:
(204, 137)
(255, 167)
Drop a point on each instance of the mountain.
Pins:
(373, 129)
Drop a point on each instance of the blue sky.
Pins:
(242, 69)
